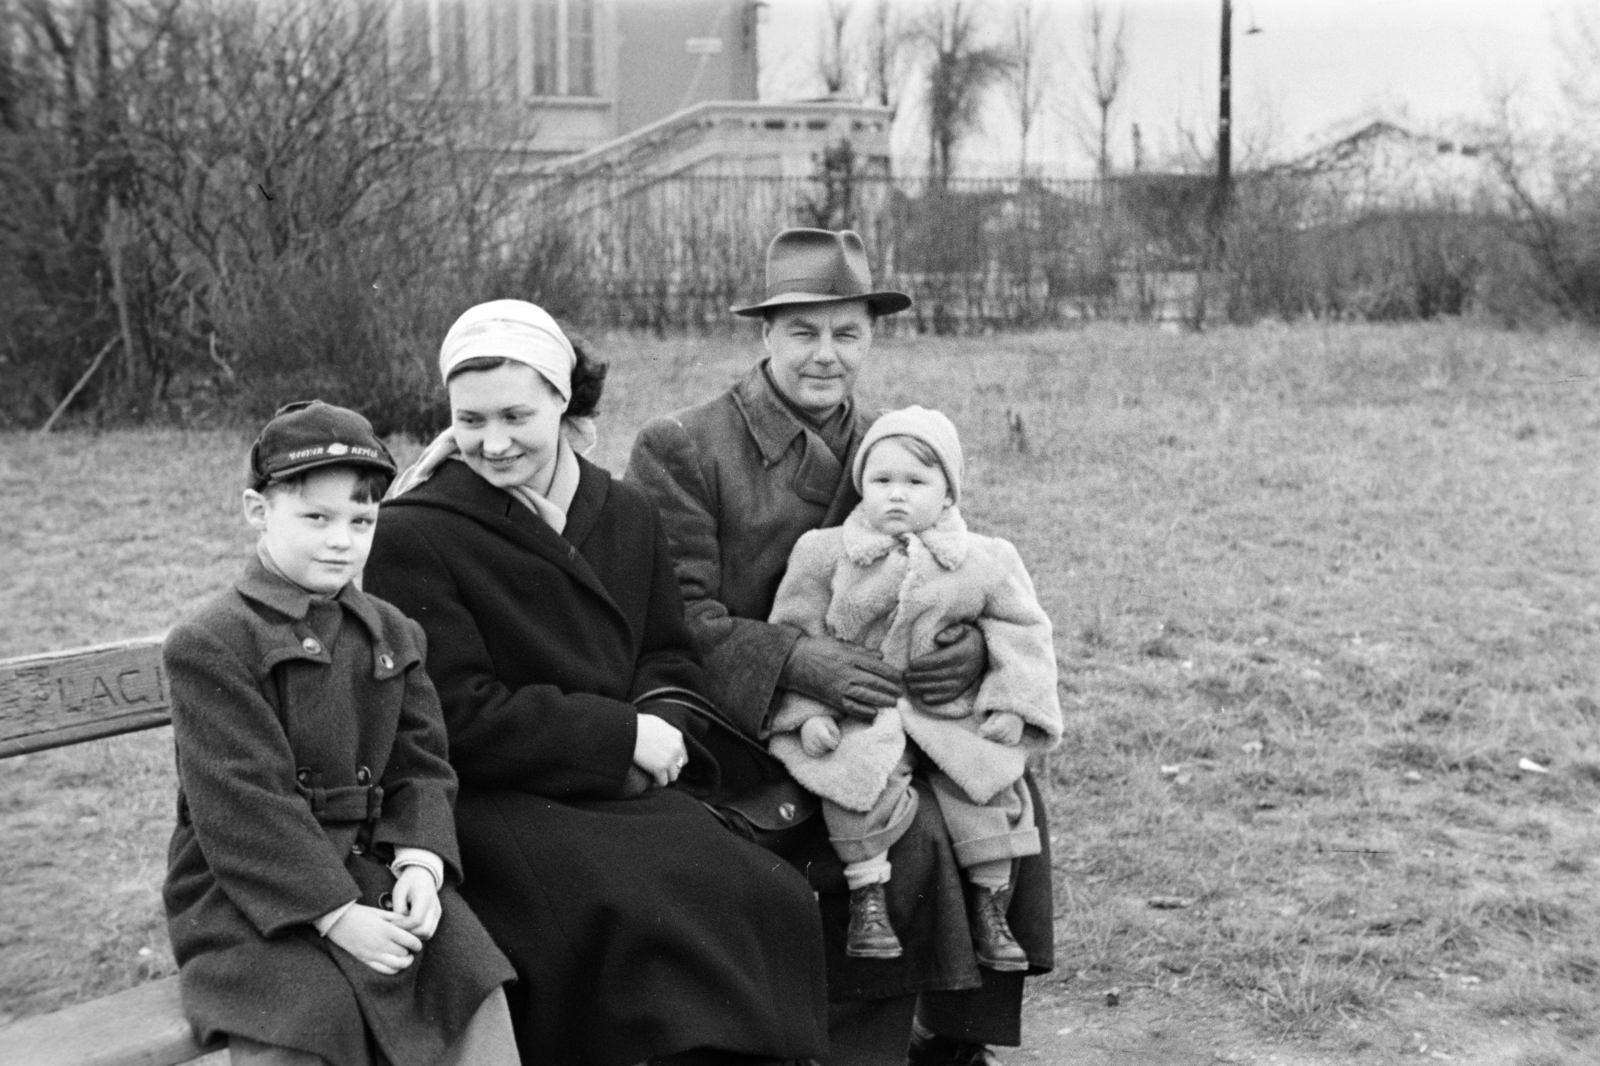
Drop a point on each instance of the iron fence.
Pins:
(676, 252)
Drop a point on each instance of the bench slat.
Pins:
(60, 698)
(143, 1026)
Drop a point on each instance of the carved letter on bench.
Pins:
(64, 697)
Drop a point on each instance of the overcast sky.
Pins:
(1317, 69)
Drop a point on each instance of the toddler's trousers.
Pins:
(984, 836)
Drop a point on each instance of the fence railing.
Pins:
(676, 252)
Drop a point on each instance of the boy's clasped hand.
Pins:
(388, 940)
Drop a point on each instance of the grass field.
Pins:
(1318, 591)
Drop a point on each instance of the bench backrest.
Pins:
(51, 701)
(60, 698)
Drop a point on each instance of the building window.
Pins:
(412, 48)
(501, 72)
(499, 49)
(454, 59)
(545, 39)
(580, 48)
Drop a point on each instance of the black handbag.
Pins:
(754, 795)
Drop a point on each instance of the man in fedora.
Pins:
(738, 479)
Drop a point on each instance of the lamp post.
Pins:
(1222, 194)
(1223, 191)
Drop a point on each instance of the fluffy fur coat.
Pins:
(893, 595)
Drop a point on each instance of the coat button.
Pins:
(386, 661)
(303, 775)
(386, 901)
(786, 811)
(312, 645)
(363, 776)
(357, 849)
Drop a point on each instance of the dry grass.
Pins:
(1317, 590)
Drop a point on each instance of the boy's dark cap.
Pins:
(305, 435)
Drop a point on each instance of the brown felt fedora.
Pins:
(813, 266)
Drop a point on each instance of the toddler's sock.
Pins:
(993, 875)
(873, 871)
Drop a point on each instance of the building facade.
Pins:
(570, 75)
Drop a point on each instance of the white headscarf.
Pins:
(523, 333)
(515, 330)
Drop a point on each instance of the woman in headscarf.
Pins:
(639, 927)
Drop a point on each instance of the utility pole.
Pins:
(1224, 188)
(1217, 211)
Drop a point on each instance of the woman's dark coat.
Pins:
(738, 480)
(638, 926)
(309, 747)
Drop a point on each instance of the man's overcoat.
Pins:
(637, 924)
(309, 747)
(739, 480)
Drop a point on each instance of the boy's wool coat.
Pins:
(894, 594)
(310, 745)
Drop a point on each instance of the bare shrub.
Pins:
(257, 202)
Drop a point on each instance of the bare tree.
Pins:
(833, 64)
(1105, 66)
(1029, 78)
(885, 48)
(960, 69)
(1551, 180)
(223, 183)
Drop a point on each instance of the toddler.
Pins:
(902, 568)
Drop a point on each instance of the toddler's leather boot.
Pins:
(870, 935)
(992, 941)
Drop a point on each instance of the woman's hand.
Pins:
(659, 749)
(375, 937)
(416, 902)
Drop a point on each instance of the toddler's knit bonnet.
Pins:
(931, 428)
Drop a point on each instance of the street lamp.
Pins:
(1224, 119)
(1224, 187)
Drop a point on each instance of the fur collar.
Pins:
(946, 540)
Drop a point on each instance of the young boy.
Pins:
(899, 570)
(307, 893)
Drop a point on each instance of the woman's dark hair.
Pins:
(588, 381)
(478, 363)
(588, 377)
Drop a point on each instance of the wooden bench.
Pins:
(52, 701)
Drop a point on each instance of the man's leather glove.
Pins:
(940, 676)
(842, 676)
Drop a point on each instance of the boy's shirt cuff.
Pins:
(403, 857)
(422, 857)
(329, 920)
